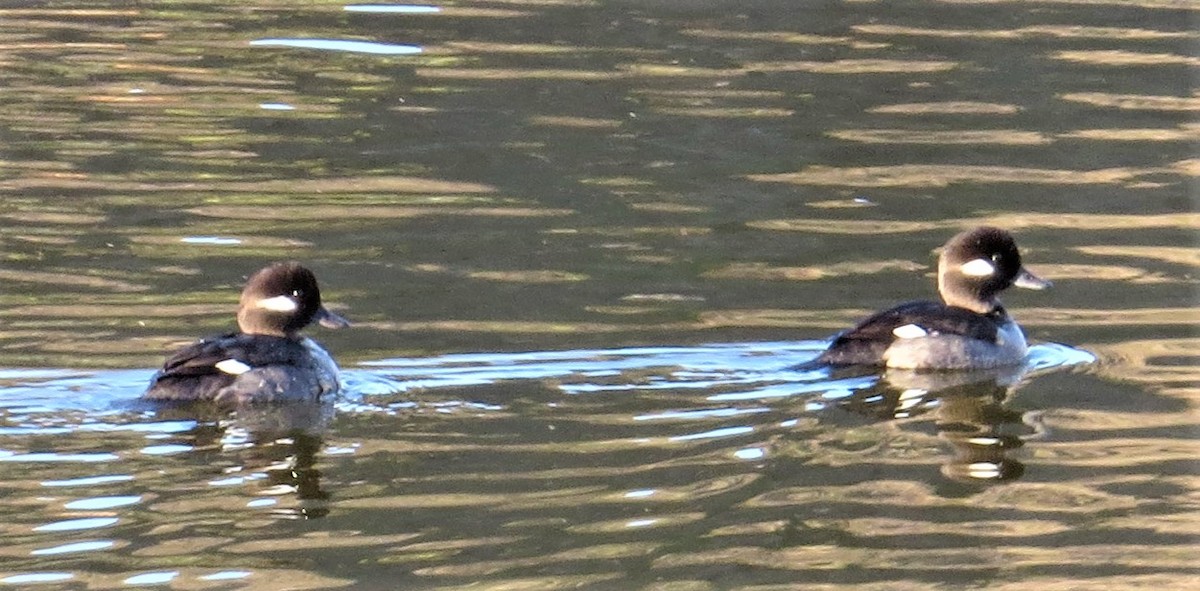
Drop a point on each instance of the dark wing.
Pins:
(192, 372)
(866, 342)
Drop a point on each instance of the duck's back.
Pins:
(243, 368)
(922, 334)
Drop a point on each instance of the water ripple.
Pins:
(77, 524)
(341, 45)
(74, 547)
(392, 8)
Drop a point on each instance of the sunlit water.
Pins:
(539, 215)
(607, 442)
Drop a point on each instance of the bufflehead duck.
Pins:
(267, 360)
(971, 330)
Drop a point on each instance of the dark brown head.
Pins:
(976, 265)
(281, 299)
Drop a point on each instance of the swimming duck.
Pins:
(267, 360)
(968, 329)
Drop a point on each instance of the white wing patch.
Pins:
(233, 367)
(278, 303)
(909, 331)
(977, 268)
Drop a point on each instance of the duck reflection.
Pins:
(276, 445)
(968, 411)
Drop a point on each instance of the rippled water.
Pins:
(469, 467)
(541, 215)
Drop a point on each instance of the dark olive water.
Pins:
(583, 244)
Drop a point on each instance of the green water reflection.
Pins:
(565, 175)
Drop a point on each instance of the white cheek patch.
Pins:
(909, 331)
(277, 304)
(977, 268)
(233, 367)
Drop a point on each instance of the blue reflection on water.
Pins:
(1050, 355)
(97, 503)
(700, 414)
(393, 8)
(24, 391)
(165, 450)
(76, 524)
(155, 427)
(750, 453)
(226, 575)
(26, 578)
(756, 371)
(370, 47)
(715, 433)
(211, 240)
(41, 402)
(152, 578)
(75, 547)
(10, 456)
(691, 367)
(89, 480)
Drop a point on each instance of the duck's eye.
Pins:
(295, 293)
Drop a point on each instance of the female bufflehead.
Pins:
(971, 330)
(268, 360)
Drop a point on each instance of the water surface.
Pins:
(584, 243)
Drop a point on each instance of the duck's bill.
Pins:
(1030, 281)
(330, 320)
